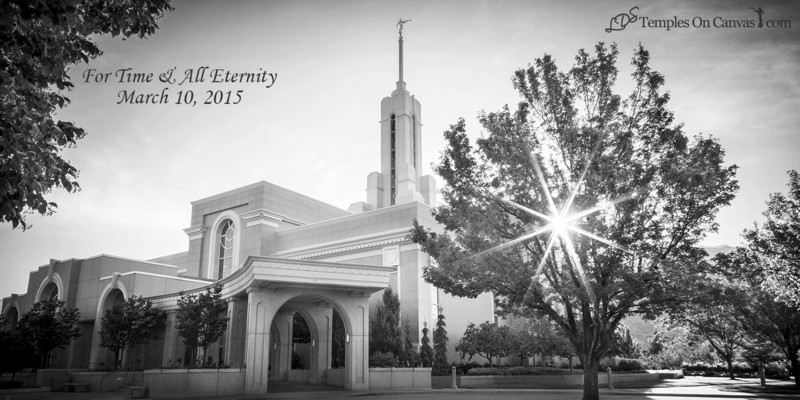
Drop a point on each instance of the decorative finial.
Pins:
(400, 23)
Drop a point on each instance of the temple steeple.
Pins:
(399, 180)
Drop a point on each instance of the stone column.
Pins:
(170, 341)
(357, 374)
(284, 324)
(235, 336)
(322, 315)
(259, 316)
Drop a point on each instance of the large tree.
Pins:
(768, 319)
(541, 336)
(17, 350)
(201, 319)
(440, 364)
(39, 41)
(48, 325)
(425, 349)
(130, 323)
(651, 194)
(487, 340)
(713, 313)
(385, 335)
(777, 242)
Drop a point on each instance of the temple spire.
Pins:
(400, 24)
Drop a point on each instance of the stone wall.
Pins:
(187, 383)
(395, 378)
(536, 381)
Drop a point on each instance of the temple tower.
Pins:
(400, 180)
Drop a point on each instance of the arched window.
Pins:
(50, 292)
(225, 243)
(414, 141)
(392, 163)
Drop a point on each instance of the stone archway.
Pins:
(304, 356)
(114, 293)
(313, 288)
(271, 311)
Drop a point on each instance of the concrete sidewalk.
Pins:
(689, 388)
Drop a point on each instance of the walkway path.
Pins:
(697, 388)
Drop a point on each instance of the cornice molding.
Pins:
(265, 217)
(195, 232)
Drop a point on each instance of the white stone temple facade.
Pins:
(278, 253)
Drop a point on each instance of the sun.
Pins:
(560, 225)
(559, 222)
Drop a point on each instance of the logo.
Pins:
(737, 20)
(620, 21)
(760, 13)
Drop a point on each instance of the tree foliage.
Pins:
(48, 325)
(385, 335)
(130, 323)
(440, 364)
(338, 341)
(670, 347)
(623, 345)
(542, 336)
(777, 243)
(488, 340)
(410, 357)
(425, 349)
(714, 314)
(770, 321)
(301, 333)
(601, 147)
(40, 41)
(201, 319)
(17, 350)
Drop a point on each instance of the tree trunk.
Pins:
(795, 369)
(44, 360)
(117, 358)
(591, 387)
(729, 360)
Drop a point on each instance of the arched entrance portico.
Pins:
(303, 342)
(278, 288)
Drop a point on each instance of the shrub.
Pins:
(716, 370)
(775, 371)
(628, 365)
(517, 370)
(440, 365)
(383, 360)
(464, 368)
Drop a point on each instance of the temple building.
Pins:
(278, 254)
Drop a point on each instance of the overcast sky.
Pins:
(316, 130)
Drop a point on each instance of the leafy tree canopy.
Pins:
(49, 324)
(771, 322)
(39, 41)
(777, 242)
(133, 322)
(201, 318)
(17, 350)
(653, 191)
(714, 314)
(487, 340)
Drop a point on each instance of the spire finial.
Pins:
(400, 24)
